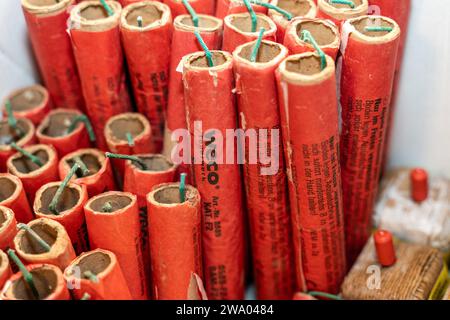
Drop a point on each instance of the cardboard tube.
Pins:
(140, 182)
(297, 8)
(24, 136)
(102, 74)
(100, 177)
(237, 30)
(120, 232)
(183, 43)
(70, 211)
(12, 195)
(7, 228)
(54, 131)
(32, 103)
(53, 233)
(338, 13)
(110, 284)
(5, 269)
(308, 105)
(149, 72)
(324, 32)
(209, 99)
(49, 282)
(267, 195)
(226, 7)
(175, 240)
(200, 6)
(32, 175)
(116, 130)
(366, 85)
(47, 24)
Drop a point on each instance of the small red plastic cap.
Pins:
(419, 184)
(384, 245)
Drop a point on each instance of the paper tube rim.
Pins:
(343, 13)
(46, 120)
(96, 152)
(173, 166)
(300, 79)
(47, 10)
(192, 201)
(10, 217)
(183, 27)
(120, 211)
(391, 36)
(52, 157)
(25, 139)
(189, 57)
(165, 19)
(81, 24)
(292, 30)
(17, 192)
(227, 22)
(283, 54)
(35, 87)
(111, 139)
(276, 16)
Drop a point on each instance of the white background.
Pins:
(421, 135)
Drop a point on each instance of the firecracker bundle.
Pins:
(174, 141)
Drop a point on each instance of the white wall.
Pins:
(421, 135)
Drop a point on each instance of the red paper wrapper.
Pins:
(12, 195)
(32, 175)
(70, 211)
(47, 28)
(366, 86)
(209, 99)
(32, 103)
(267, 194)
(116, 130)
(31, 252)
(100, 177)
(5, 268)
(140, 182)
(48, 279)
(120, 232)
(200, 6)
(7, 228)
(24, 136)
(226, 7)
(149, 72)
(102, 74)
(324, 32)
(237, 30)
(309, 111)
(305, 9)
(54, 131)
(183, 43)
(338, 13)
(175, 240)
(110, 284)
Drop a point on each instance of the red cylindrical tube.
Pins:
(200, 6)
(183, 43)
(324, 32)
(7, 228)
(32, 103)
(133, 125)
(54, 131)
(149, 72)
(100, 177)
(70, 211)
(384, 245)
(304, 9)
(226, 7)
(210, 112)
(308, 105)
(114, 224)
(237, 30)
(108, 283)
(338, 12)
(302, 296)
(47, 25)
(32, 175)
(266, 189)
(48, 280)
(419, 184)
(12, 195)
(140, 181)
(24, 135)
(366, 86)
(30, 251)
(102, 74)
(5, 269)
(175, 240)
